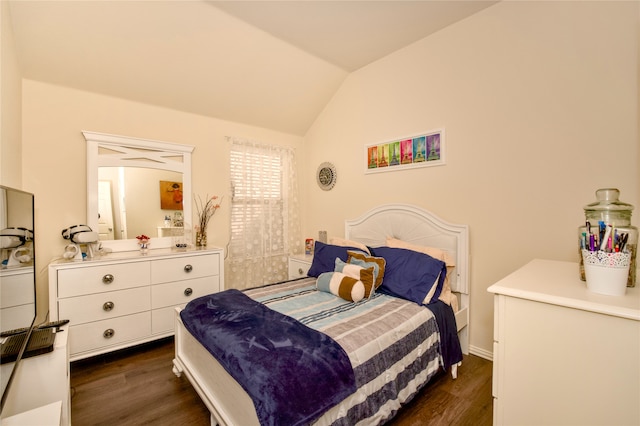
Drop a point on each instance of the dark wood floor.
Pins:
(137, 387)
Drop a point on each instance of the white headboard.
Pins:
(416, 226)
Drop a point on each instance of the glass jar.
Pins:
(608, 227)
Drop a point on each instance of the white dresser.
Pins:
(299, 265)
(17, 297)
(123, 299)
(562, 354)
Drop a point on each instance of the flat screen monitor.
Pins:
(17, 278)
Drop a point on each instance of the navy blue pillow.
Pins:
(324, 258)
(410, 274)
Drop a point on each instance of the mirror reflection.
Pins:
(16, 228)
(134, 201)
(17, 278)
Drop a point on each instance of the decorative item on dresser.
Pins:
(563, 354)
(126, 298)
(205, 211)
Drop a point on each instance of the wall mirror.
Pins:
(137, 186)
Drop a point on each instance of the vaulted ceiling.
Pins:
(272, 64)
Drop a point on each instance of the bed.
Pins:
(230, 403)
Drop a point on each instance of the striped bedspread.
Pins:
(393, 345)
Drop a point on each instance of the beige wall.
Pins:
(539, 103)
(53, 118)
(540, 110)
(10, 105)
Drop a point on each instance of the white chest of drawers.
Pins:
(562, 354)
(124, 299)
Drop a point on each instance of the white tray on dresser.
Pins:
(123, 299)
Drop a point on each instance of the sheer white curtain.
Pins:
(265, 219)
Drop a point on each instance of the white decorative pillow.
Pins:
(337, 241)
(341, 285)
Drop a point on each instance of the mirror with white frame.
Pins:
(137, 186)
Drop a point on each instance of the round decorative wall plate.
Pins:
(326, 176)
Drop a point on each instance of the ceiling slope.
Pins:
(271, 64)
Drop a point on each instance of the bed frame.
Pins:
(229, 404)
(417, 226)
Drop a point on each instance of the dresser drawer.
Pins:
(184, 268)
(99, 279)
(181, 292)
(16, 290)
(100, 306)
(96, 335)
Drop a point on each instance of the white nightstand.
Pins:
(299, 265)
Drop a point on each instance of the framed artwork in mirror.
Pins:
(171, 195)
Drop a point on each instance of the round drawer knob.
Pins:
(188, 291)
(188, 268)
(108, 333)
(300, 271)
(108, 306)
(108, 279)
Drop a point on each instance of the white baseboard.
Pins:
(482, 353)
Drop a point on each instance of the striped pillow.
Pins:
(359, 273)
(341, 285)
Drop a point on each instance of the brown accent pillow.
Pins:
(366, 261)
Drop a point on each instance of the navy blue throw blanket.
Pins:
(292, 373)
(449, 342)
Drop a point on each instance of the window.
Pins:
(265, 225)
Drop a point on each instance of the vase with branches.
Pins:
(205, 211)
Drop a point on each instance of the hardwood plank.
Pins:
(464, 401)
(132, 387)
(136, 386)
